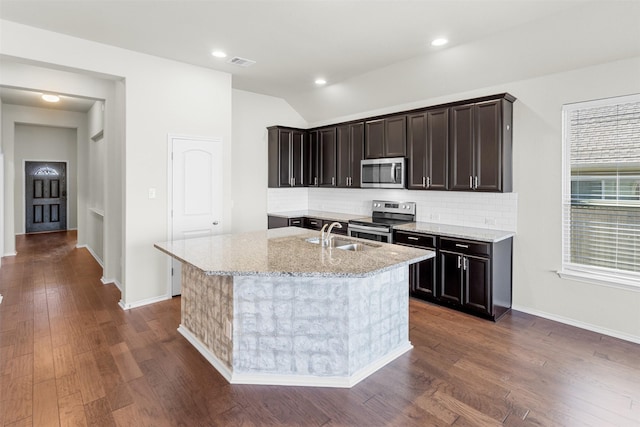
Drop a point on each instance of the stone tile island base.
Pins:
(304, 331)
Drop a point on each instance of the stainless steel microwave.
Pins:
(383, 173)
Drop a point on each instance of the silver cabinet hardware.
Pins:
(470, 182)
(412, 238)
(459, 261)
(315, 180)
(475, 182)
(428, 182)
(465, 262)
(424, 182)
(460, 245)
(333, 180)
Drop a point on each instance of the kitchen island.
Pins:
(271, 307)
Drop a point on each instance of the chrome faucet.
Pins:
(327, 240)
(322, 241)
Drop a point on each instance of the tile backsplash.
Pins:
(496, 211)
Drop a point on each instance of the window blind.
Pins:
(601, 192)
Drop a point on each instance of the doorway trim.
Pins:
(170, 139)
(24, 193)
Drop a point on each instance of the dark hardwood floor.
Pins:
(70, 356)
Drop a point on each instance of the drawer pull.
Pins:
(413, 238)
(460, 245)
(295, 222)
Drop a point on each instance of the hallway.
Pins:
(70, 356)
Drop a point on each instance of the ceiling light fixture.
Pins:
(50, 98)
(321, 82)
(440, 41)
(219, 54)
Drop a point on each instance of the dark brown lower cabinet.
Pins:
(466, 281)
(466, 275)
(311, 223)
(279, 222)
(423, 279)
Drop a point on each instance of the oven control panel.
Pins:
(394, 207)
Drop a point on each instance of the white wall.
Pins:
(161, 97)
(97, 152)
(46, 143)
(252, 113)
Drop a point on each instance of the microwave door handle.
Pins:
(393, 173)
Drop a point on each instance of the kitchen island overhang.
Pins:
(271, 308)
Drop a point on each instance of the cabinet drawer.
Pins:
(415, 239)
(313, 223)
(295, 222)
(467, 247)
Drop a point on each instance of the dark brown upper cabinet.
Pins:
(428, 150)
(480, 146)
(326, 140)
(288, 157)
(463, 146)
(386, 137)
(350, 140)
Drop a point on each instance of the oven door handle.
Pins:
(365, 228)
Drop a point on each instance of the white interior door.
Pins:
(196, 193)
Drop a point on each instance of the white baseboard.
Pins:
(578, 324)
(10, 254)
(129, 306)
(293, 380)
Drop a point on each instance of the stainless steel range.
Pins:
(384, 216)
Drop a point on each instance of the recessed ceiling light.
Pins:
(219, 54)
(50, 98)
(441, 41)
(321, 82)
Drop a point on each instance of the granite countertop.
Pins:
(284, 252)
(457, 231)
(331, 216)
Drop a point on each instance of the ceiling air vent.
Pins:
(242, 62)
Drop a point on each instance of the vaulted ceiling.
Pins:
(372, 53)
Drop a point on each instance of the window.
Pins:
(601, 191)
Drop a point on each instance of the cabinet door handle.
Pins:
(471, 182)
(424, 183)
(413, 238)
(459, 261)
(333, 180)
(428, 182)
(465, 261)
(295, 222)
(460, 245)
(475, 182)
(315, 180)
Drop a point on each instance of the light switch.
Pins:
(152, 193)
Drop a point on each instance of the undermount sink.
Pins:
(343, 244)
